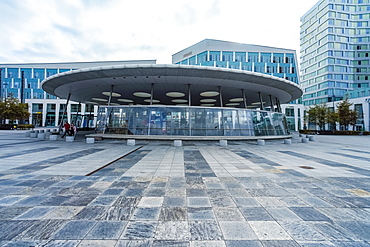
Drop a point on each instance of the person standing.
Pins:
(73, 130)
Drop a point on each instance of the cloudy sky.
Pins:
(96, 30)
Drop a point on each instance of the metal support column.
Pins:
(278, 105)
(151, 94)
(219, 91)
(261, 102)
(189, 95)
(64, 111)
(244, 99)
(271, 103)
(110, 94)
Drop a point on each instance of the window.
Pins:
(252, 57)
(240, 56)
(227, 56)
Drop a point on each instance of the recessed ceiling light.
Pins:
(125, 100)
(142, 94)
(237, 100)
(113, 94)
(232, 104)
(207, 100)
(154, 100)
(209, 94)
(207, 104)
(99, 99)
(175, 94)
(257, 103)
(179, 100)
(182, 105)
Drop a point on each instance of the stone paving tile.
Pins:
(237, 230)
(107, 230)
(269, 230)
(196, 195)
(74, 230)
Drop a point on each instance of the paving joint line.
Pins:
(96, 170)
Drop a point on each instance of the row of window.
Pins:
(30, 73)
(227, 56)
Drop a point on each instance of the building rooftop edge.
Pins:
(79, 62)
(237, 43)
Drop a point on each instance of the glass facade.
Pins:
(281, 65)
(189, 121)
(335, 50)
(11, 79)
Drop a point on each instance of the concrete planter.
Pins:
(90, 140)
(53, 137)
(41, 136)
(70, 138)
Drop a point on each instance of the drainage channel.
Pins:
(91, 173)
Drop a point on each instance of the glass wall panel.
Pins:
(189, 121)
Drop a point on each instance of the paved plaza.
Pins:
(54, 193)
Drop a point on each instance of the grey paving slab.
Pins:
(107, 230)
(237, 230)
(74, 230)
(196, 195)
(269, 230)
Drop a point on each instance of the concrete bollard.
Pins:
(28, 133)
(48, 130)
(33, 134)
(261, 142)
(177, 143)
(311, 138)
(90, 140)
(223, 143)
(304, 140)
(53, 137)
(300, 135)
(41, 136)
(70, 138)
(47, 135)
(287, 141)
(130, 142)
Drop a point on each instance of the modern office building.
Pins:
(272, 61)
(23, 81)
(335, 48)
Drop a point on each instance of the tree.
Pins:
(318, 114)
(13, 110)
(346, 115)
(333, 118)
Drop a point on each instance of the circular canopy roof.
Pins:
(132, 84)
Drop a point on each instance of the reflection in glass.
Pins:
(189, 121)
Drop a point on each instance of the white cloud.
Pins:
(72, 30)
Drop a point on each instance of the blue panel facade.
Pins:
(282, 65)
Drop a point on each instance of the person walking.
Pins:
(66, 129)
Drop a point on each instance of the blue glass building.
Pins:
(273, 61)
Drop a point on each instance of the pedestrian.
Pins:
(66, 129)
(73, 130)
